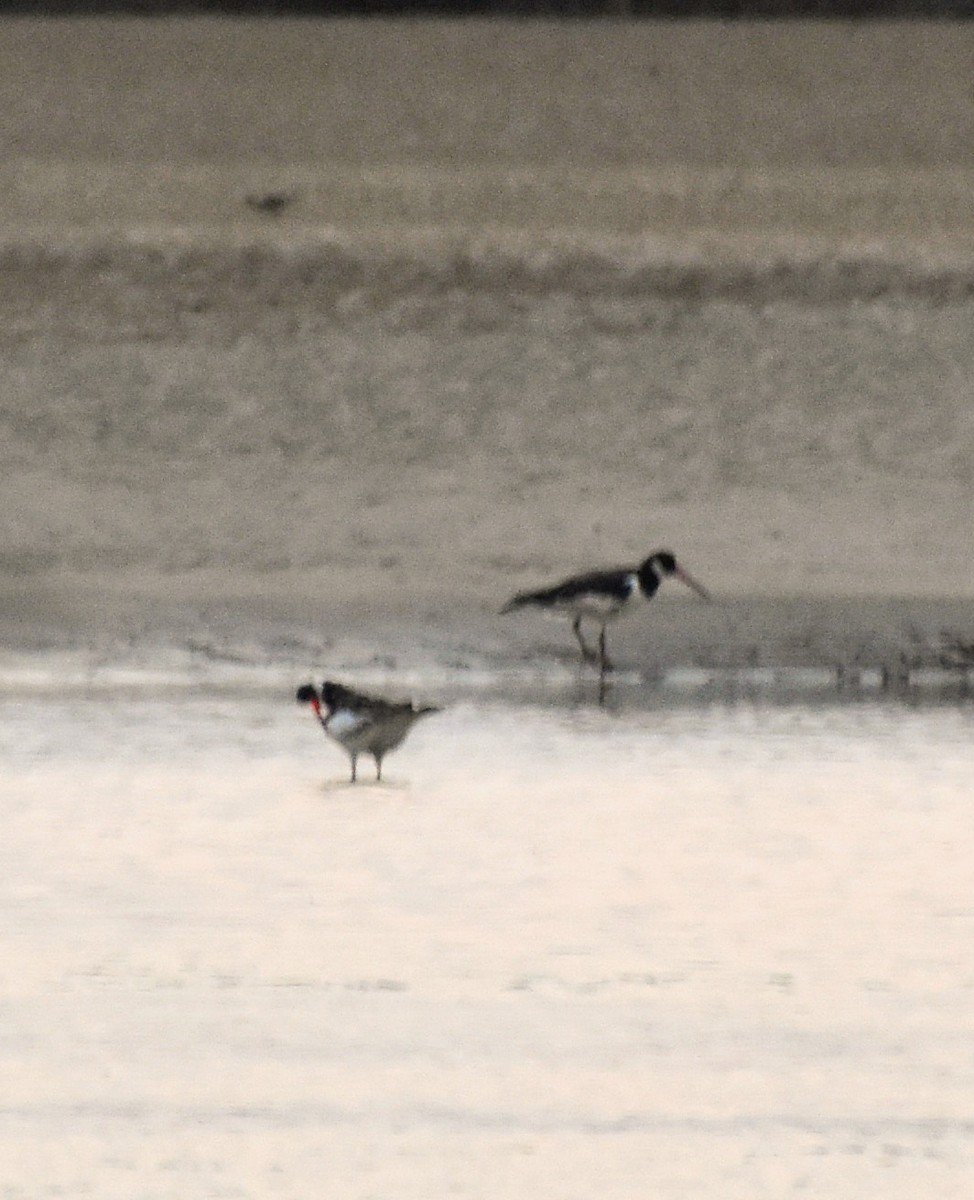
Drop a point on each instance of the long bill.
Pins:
(687, 578)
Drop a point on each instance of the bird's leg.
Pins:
(378, 768)
(604, 664)
(587, 652)
(354, 758)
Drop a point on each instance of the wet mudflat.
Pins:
(682, 944)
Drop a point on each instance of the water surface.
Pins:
(681, 945)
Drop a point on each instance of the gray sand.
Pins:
(686, 285)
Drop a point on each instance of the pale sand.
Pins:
(545, 297)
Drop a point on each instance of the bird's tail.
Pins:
(427, 710)
(516, 602)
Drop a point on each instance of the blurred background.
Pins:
(723, 9)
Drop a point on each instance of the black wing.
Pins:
(616, 583)
(336, 695)
(373, 708)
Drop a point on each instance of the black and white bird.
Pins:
(361, 724)
(600, 596)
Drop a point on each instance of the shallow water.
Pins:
(687, 944)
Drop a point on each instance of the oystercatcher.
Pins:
(600, 596)
(361, 724)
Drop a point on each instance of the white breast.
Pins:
(604, 608)
(345, 724)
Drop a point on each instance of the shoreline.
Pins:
(278, 624)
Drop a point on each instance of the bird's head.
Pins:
(662, 564)
(307, 693)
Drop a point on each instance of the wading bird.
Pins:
(600, 596)
(361, 724)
